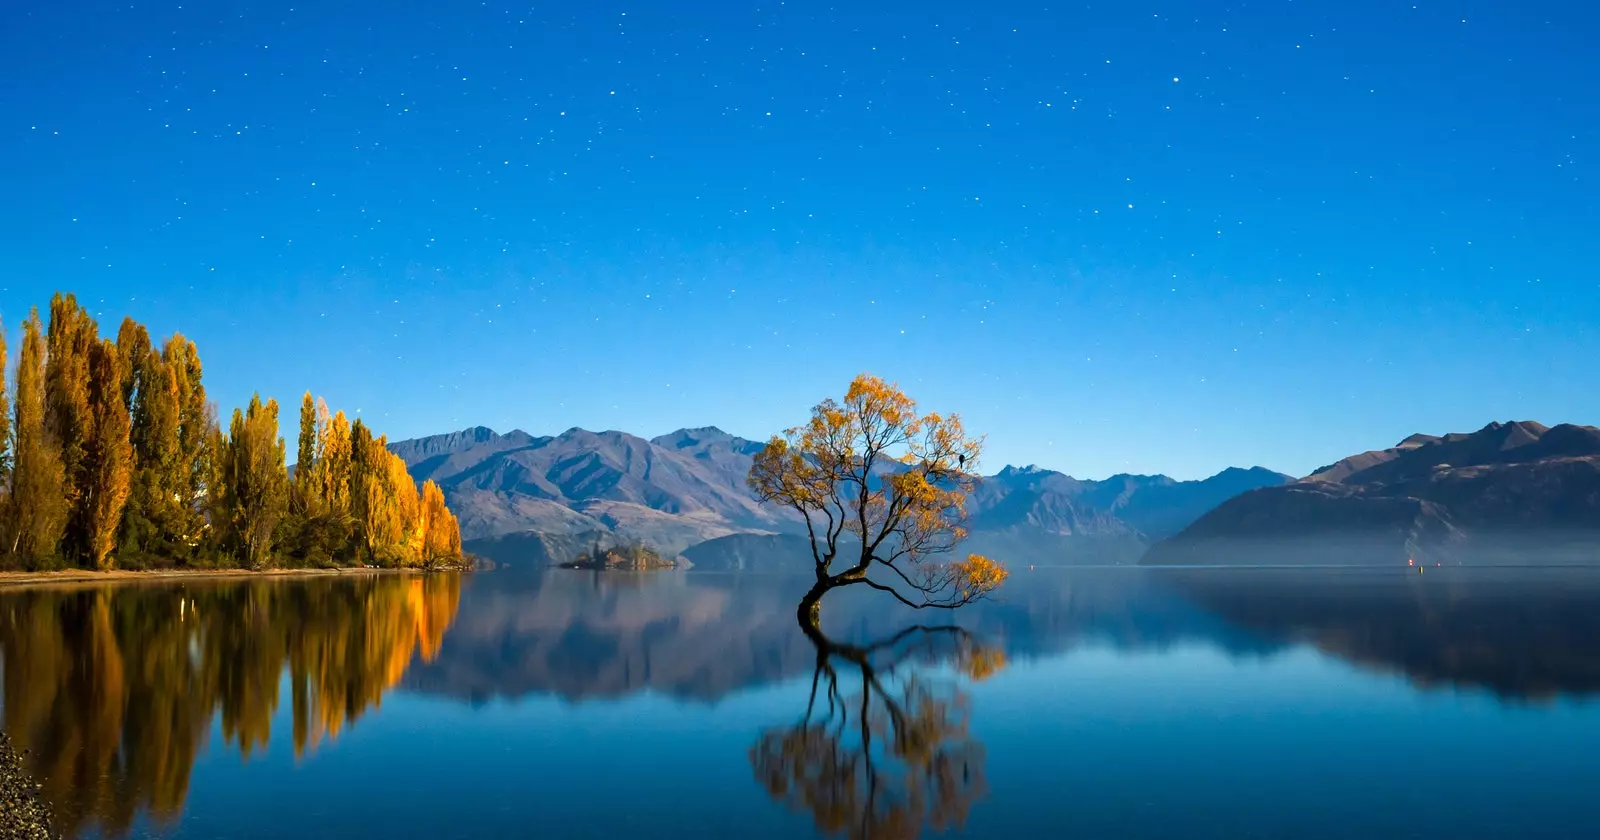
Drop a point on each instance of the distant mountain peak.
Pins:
(703, 437)
(693, 434)
(703, 431)
(1239, 472)
(580, 433)
(1030, 469)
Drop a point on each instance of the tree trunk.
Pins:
(809, 613)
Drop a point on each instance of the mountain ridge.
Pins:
(1510, 492)
(687, 487)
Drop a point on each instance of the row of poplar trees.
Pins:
(110, 455)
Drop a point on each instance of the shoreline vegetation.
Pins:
(112, 458)
(87, 577)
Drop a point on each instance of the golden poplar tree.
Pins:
(408, 507)
(217, 501)
(155, 516)
(362, 474)
(38, 496)
(441, 538)
(197, 426)
(306, 457)
(333, 461)
(257, 481)
(107, 458)
(67, 416)
(133, 345)
(392, 527)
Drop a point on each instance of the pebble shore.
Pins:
(23, 814)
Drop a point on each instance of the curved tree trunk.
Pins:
(809, 613)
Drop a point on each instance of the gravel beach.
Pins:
(23, 815)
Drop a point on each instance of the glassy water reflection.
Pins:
(1111, 702)
(114, 689)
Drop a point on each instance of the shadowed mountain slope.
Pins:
(1516, 492)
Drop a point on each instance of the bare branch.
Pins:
(922, 606)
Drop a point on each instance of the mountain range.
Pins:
(527, 499)
(1518, 492)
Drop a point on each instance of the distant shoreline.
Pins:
(85, 576)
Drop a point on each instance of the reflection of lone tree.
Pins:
(895, 482)
(891, 759)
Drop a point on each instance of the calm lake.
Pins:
(1116, 702)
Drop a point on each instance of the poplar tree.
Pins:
(305, 455)
(107, 460)
(386, 508)
(441, 533)
(197, 428)
(133, 345)
(257, 480)
(38, 495)
(333, 463)
(156, 515)
(67, 416)
(361, 477)
(217, 501)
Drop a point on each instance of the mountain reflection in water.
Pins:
(1525, 634)
(870, 731)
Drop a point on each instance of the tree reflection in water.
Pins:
(892, 757)
(113, 689)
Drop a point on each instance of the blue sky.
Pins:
(1115, 237)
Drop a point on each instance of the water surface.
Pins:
(1083, 702)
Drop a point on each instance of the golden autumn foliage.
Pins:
(114, 690)
(108, 458)
(36, 508)
(441, 533)
(255, 483)
(353, 497)
(892, 481)
(110, 454)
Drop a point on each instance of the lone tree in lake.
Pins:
(895, 482)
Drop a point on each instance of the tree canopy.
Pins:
(880, 487)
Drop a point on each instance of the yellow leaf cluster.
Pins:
(977, 576)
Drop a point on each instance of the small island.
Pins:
(622, 558)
